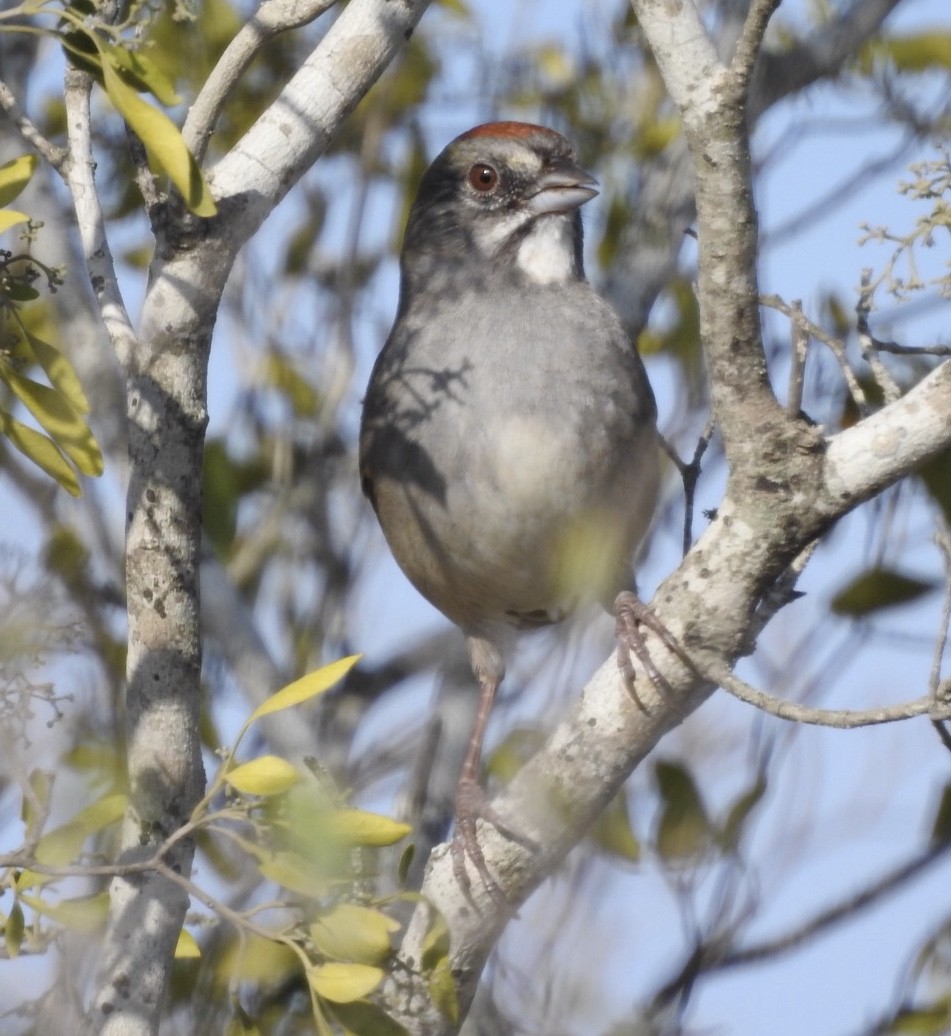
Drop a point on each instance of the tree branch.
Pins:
(89, 218)
(271, 18)
(296, 129)
(56, 156)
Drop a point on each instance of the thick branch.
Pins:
(295, 130)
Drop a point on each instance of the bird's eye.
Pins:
(483, 177)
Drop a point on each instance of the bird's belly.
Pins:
(534, 520)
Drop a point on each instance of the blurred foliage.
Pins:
(287, 823)
(879, 588)
(280, 508)
(64, 447)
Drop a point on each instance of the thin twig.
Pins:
(58, 157)
(890, 388)
(841, 719)
(943, 541)
(751, 38)
(797, 361)
(825, 919)
(89, 217)
(690, 475)
(271, 18)
(910, 350)
(835, 345)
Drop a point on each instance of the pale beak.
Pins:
(564, 187)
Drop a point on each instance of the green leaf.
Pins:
(41, 450)
(612, 832)
(186, 948)
(357, 827)
(936, 475)
(941, 829)
(268, 775)
(739, 813)
(59, 370)
(436, 942)
(41, 784)
(141, 73)
(442, 989)
(293, 871)
(14, 176)
(57, 416)
(911, 52)
(684, 828)
(342, 983)
(14, 930)
(362, 1018)
(162, 141)
(355, 933)
(876, 589)
(280, 372)
(85, 914)
(10, 218)
(63, 844)
(306, 687)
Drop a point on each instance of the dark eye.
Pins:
(483, 177)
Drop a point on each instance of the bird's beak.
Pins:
(564, 187)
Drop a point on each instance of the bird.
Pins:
(508, 439)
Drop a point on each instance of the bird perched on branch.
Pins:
(508, 442)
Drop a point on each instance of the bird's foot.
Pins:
(630, 614)
(472, 805)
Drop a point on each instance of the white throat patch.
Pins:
(547, 254)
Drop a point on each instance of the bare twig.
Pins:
(82, 186)
(943, 541)
(57, 157)
(841, 719)
(797, 361)
(841, 911)
(748, 45)
(690, 474)
(890, 388)
(272, 18)
(911, 350)
(835, 345)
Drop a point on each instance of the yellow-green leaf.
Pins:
(358, 827)
(140, 71)
(268, 775)
(14, 176)
(683, 829)
(186, 948)
(57, 417)
(442, 989)
(41, 450)
(351, 932)
(293, 871)
(876, 589)
(62, 845)
(342, 983)
(85, 914)
(306, 687)
(59, 370)
(612, 831)
(13, 931)
(912, 52)
(162, 141)
(41, 784)
(10, 218)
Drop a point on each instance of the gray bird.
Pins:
(508, 442)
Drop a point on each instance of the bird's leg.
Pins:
(471, 800)
(630, 614)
